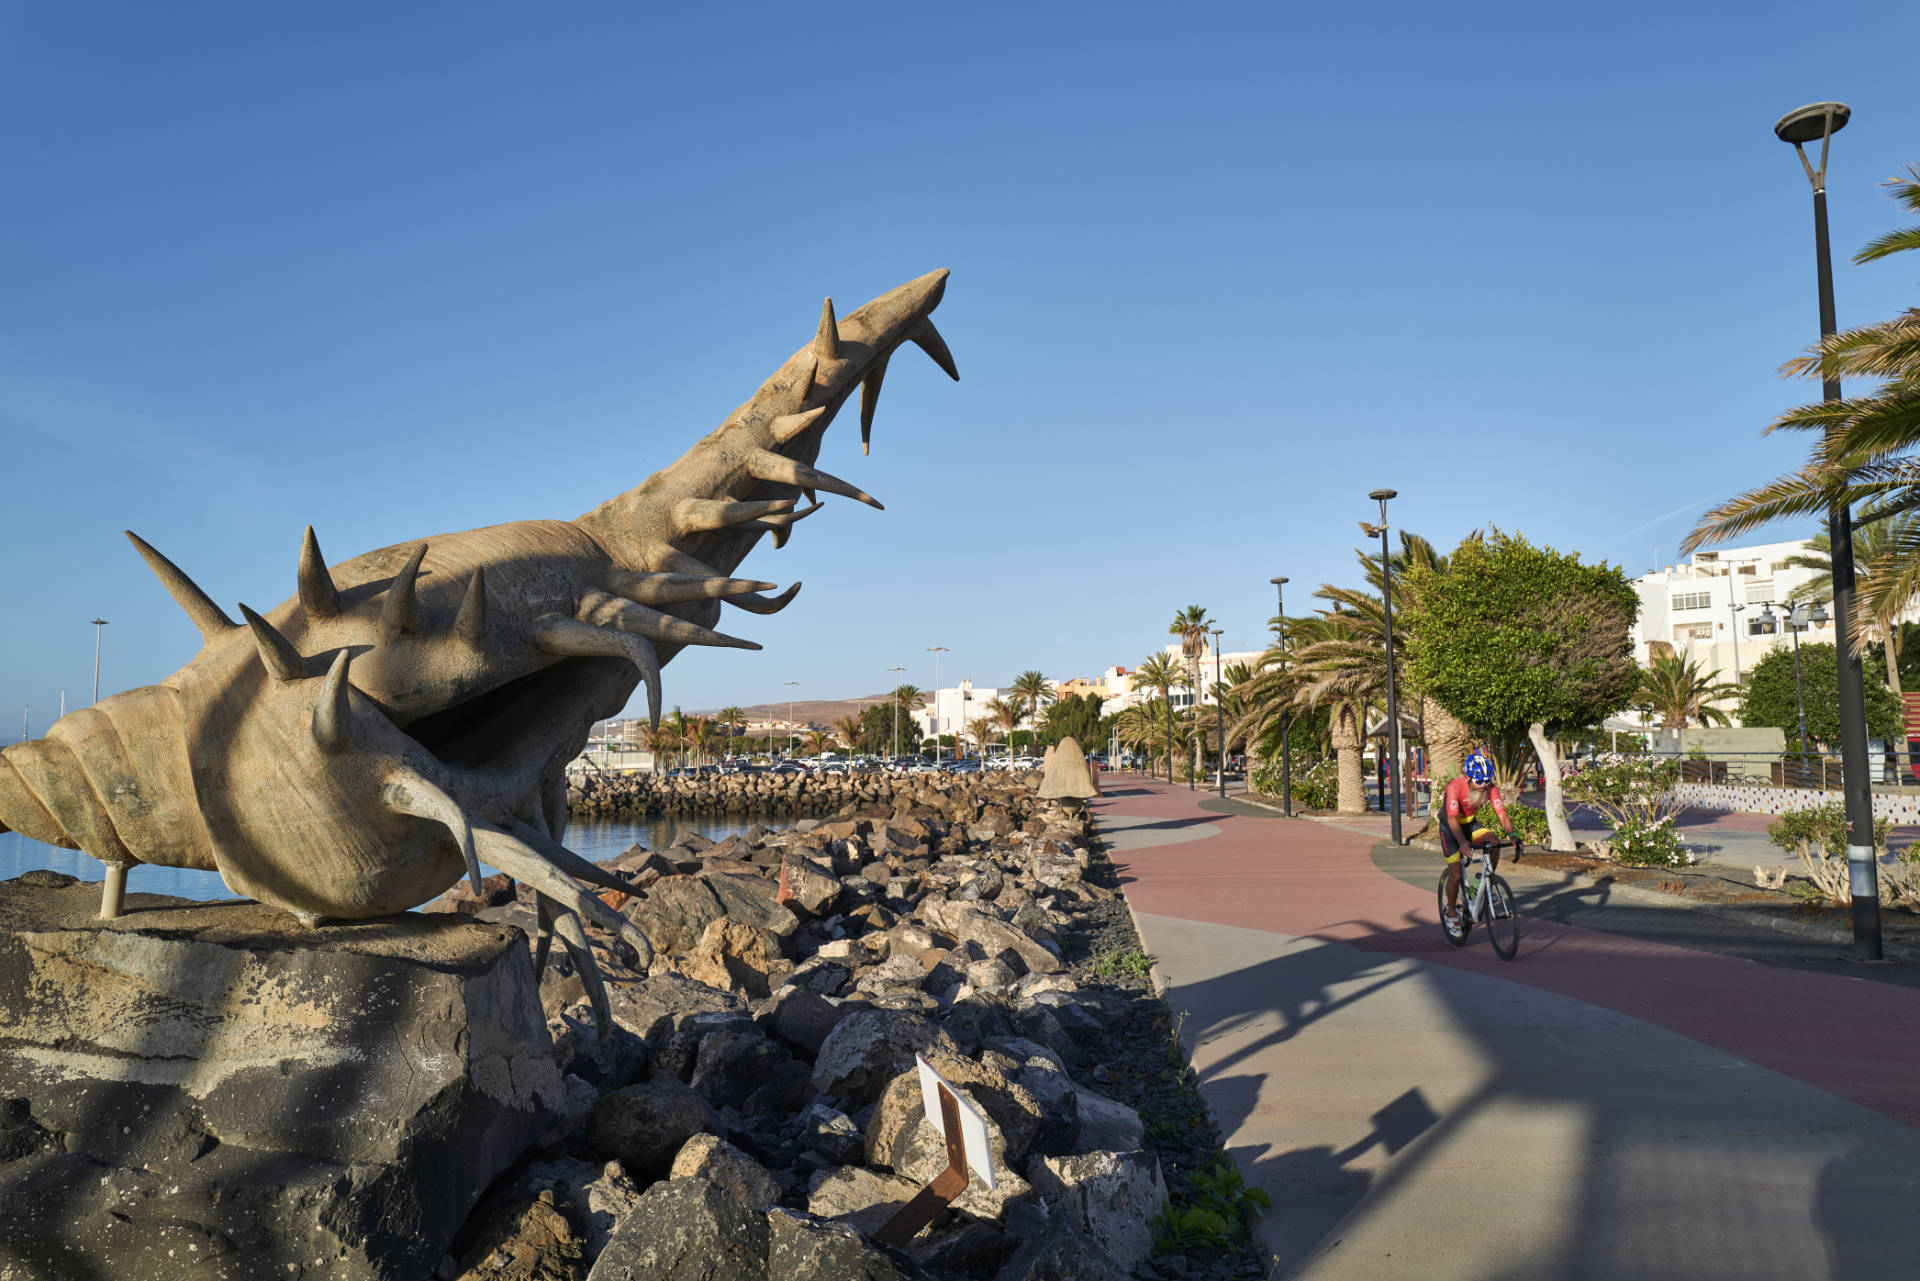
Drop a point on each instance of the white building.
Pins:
(950, 711)
(1711, 607)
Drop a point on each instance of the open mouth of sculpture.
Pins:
(514, 731)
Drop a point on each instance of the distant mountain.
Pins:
(819, 713)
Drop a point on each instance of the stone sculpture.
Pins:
(1066, 776)
(411, 712)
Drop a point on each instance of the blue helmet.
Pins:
(1478, 769)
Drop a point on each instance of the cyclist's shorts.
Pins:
(1450, 847)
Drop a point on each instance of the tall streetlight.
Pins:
(1393, 701)
(1219, 713)
(1286, 736)
(791, 736)
(98, 623)
(896, 718)
(1735, 610)
(1796, 621)
(936, 651)
(1820, 121)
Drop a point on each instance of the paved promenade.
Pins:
(1613, 1104)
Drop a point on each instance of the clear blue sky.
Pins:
(1217, 272)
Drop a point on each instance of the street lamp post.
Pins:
(1393, 703)
(1736, 610)
(1792, 622)
(896, 720)
(98, 623)
(1219, 714)
(936, 651)
(1286, 736)
(792, 744)
(1820, 121)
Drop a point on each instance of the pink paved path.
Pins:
(1854, 1038)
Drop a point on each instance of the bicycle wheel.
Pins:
(1503, 920)
(1456, 935)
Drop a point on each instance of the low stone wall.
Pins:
(1756, 798)
(648, 795)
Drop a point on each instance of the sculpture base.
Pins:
(201, 1090)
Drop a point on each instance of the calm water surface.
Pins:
(593, 840)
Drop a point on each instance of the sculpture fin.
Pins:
(317, 594)
(471, 623)
(756, 604)
(766, 465)
(826, 340)
(332, 711)
(209, 618)
(400, 613)
(277, 653)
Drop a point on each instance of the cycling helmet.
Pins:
(1478, 769)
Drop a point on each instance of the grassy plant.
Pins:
(1214, 1208)
(1131, 962)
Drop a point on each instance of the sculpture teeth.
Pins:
(277, 653)
(471, 623)
(697, 515)
(788, 427)
(777, 524)
(766, 465)
(570, 637)
(601, 611)
(928, 339)
(208, 618)
(870, 401)
(400, 612)
(332, 712)
(756, 604)
(672, 589)
(317, 595)
(408, 792)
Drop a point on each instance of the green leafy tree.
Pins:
(1770, 695)
(1510, 636)
(1077, 715)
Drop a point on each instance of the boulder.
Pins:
(916, 1151)
(801, 1247)
(753, 900)
(1111, 1196)
(707, 1156)
(1106, 1125)
(862, 1197)
(675, 912)
(652, 1008)
(530, 1239)
(686, 1230)
(606, 1063)
(737, 957)
(970, 1249)
(644, 1126)
(868, 1049)
(812, 886)
(971, 925)
(830, 1133)
(800, 1016)
(237, 1094)
(900, 1116)
(1057, 1251)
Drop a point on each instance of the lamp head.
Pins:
(1279, 581)
(1820, 615)
(1382, 495)
(1809, 123)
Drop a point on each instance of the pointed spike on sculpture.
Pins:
(333, 711)
(781, 470)
(928, 339)
(785, 520)
(409, 792)
(471, 623)
(766, 604)
(207, 617)
(277, 654)
(672, 589)
(400, 612)
(317, 594)
(826, 341)
(573, 637)
(603, 612)
(789, 427)
(698, 515)
(870, 401)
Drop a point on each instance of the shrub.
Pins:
(1217, 1203)
(1635, 795)
(1818, 834)
(1644, 843)
(1316, 786)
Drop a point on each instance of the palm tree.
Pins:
(1190, 625)
(733, 718)
(1676, 690)
(1160, 673)
(1006, 713)
(850, 728)
(1035, 691)
(819, 742)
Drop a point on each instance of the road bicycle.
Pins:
(1486, 899)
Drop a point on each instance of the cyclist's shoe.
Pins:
(1450, 918)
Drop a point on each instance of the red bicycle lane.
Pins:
(1855, 1038)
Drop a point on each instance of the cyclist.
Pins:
(1464, 797)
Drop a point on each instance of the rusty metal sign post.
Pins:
(965, 1132)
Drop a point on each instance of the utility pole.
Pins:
(98, 623)
(895, 700)
(936, 651)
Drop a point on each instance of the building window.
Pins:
(1779, 565)
(1748, 569)
(1759, 627)
(1692, 600)
(1692, 632)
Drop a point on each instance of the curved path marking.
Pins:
(1618, 1108)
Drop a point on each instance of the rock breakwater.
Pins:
(632, 796)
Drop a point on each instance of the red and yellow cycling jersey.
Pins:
(1459, 801)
